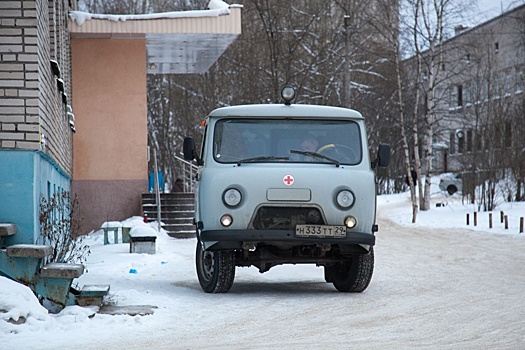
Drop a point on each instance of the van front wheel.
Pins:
(353, 275)
(215, 269)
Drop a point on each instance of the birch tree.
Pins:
(430, 19)
(385, 19)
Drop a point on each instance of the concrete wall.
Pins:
(110, 145)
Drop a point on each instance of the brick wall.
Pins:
(32, 109)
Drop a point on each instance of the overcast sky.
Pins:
(492, 8)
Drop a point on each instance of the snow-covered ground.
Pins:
(437, 284)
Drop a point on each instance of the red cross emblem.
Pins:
(288, 180)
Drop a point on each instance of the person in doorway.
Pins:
(178, 186)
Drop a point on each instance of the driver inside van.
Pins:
(309, 143)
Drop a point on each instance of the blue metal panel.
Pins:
(23, 270)
(16, 192)
(54, 289)
(24, 176)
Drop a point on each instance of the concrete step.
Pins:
(169, 207)
(29, 251)
(182, 234)
(54, 282)
(172, 217)
(89, 295)
(171, 214)
(178, 227)
(62, 270)
(7, 229)
(22, 262)
(168, 200)
(169, 195)
(177, 212)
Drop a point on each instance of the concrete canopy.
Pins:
(185, 42)
(185, 53)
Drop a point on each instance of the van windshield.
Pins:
(287, 140)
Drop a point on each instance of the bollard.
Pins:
(521, 224)
(506, 222)
(468, 219)
(475, 218)
(490, 220)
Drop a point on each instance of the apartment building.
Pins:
(479, 112)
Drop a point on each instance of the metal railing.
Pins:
(157, 190)
(188, 171)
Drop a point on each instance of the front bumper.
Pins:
(233, 239)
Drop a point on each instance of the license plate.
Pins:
(320, 231)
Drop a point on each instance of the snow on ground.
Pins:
(451, 212)
(167, 280)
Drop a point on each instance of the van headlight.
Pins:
(350, 222)
(345, 199)
(232, 197)
(226, 220)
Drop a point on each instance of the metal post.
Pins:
(157, 191)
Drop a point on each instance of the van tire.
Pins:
(215, 269)
(352, 275)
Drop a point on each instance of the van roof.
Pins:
(281, 110)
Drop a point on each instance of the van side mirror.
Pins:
(188, 149)
(383, 156)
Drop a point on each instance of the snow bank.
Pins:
(18, 304)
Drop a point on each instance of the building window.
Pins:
(506, 84)
(461, 141)
(453, 98)
(478, 141)
(508, 135)
(485, 90)
(467, 99)
(452, 143)
(469, 140)
(519, 82)
(496, 47)
(459, 95)
(496, 88)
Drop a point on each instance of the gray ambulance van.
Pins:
(285, 184)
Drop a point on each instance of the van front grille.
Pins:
(286, 218)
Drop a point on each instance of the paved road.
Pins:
(432, 289)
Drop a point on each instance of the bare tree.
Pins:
(304, 43)
(385, 19)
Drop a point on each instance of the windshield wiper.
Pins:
(260, 159)
(317, 155)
